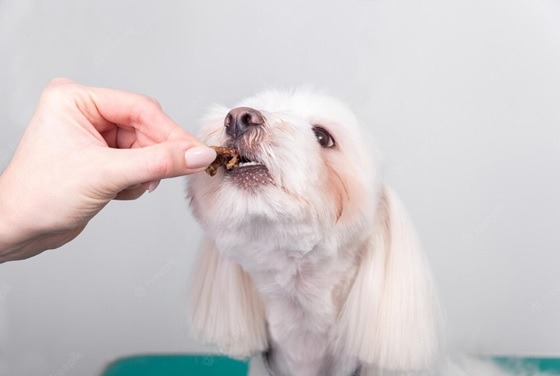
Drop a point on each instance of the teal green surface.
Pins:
(530, 366)
(211, 365)
(177, 365)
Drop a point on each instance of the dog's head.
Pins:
(307, 182)
(306, 176)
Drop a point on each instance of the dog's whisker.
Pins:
(212, 134)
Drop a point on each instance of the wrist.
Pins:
(23, 232)
(15, 235)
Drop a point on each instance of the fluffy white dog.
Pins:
(309, 258)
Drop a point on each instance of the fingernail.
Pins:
(153, 185)
(199, 156)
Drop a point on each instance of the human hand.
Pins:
(84, 147)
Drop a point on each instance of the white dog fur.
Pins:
(314, 261)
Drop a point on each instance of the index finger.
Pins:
(112, 106)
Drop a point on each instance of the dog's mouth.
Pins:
(249, 174)
(245, 162)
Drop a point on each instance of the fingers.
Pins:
(137, 111)
(145, 115)
(106, 107)
(127, 167)
(145, 144)
(140, 112)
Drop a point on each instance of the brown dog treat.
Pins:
(225, 157)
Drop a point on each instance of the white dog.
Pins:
(309, 258)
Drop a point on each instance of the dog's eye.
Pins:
(323, 137)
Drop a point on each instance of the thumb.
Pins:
(164, 160)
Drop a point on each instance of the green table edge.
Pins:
(217, 365)
(532, 364)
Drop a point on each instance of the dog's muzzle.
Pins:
(250, 172)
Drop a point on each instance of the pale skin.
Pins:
(84, 147)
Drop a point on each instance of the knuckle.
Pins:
(59, 84)
(149, 103)
(159, 165)
(57, 88)
(146, 109)
(154, 103)
(59, 81)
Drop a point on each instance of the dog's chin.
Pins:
(249, 176)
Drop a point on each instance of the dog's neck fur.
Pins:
(303, 296)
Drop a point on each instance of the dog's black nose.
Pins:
(239, 120)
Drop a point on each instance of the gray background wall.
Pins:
(463, 98)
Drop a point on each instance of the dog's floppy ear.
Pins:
(391, 318)
(224, 307)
